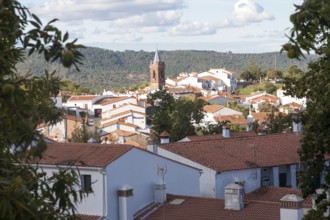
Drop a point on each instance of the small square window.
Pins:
(86, 183)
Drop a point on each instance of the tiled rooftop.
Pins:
(83, 154)
(82, 97)
(233, 119)
(262, 204)
(198, 208)
(219, 136)
(212, 108)
(108, 101)
(240, 153)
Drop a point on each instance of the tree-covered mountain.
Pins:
(107, 69)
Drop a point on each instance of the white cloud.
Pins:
(248, 11)
(194, 28)
(69, 10)
(160, 18)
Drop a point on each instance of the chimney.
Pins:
(234, 196)
(296, 127)
(152, 143)
(164, 137)
(225, 131)
(125, 196)
(296, 122)
(291, 207)
(160, 191)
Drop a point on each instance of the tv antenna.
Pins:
(162, 170)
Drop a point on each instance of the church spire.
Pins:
(157, 57)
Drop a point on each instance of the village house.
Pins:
(120, 179)
(214, 111)
(214, 79)
(254, 161)
(286, 99)
(255, 100)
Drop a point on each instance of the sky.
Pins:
(239, 26)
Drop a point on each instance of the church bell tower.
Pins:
(157, 73)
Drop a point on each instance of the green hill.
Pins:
(107, 69)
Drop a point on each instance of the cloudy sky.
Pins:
(240, 26)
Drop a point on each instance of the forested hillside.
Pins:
(107, 69)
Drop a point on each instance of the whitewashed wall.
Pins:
(251, 178)
(93, 203)
(111, 106)
(138, 168)
(207, 179)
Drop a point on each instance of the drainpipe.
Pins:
(105, 207)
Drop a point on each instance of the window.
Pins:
(86, 183)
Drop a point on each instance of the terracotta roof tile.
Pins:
(197, 208)
(233, 119)
(212, 108)
(219, 136)
(227, 153)
(83, 154)
(82, 97)
(261, 204)
(209, 78)
(108, 101)
(267, 97)
(274, 194)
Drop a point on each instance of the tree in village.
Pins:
(270, 88)
(176, 116)
(247, 76)
(256, 71)
(274, 74)
(26, 192)
(293, 72)
(311, 33)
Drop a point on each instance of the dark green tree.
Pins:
(293, 72)
(162, 105)
(278, 122)
(270, 88)
(176, 116)
(311, 33)
(255, 70)
(26, 192)
(274, 74)
(247, 76)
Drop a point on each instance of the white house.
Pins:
(254, 161)
(228, 79)
(286, 99)
(213, 111)
(121, 179)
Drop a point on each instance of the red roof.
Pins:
(83, 154)
(219, 136)
(242, 152)
(82, 97)
(261, 204)
(212, 108)
(199, 208)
